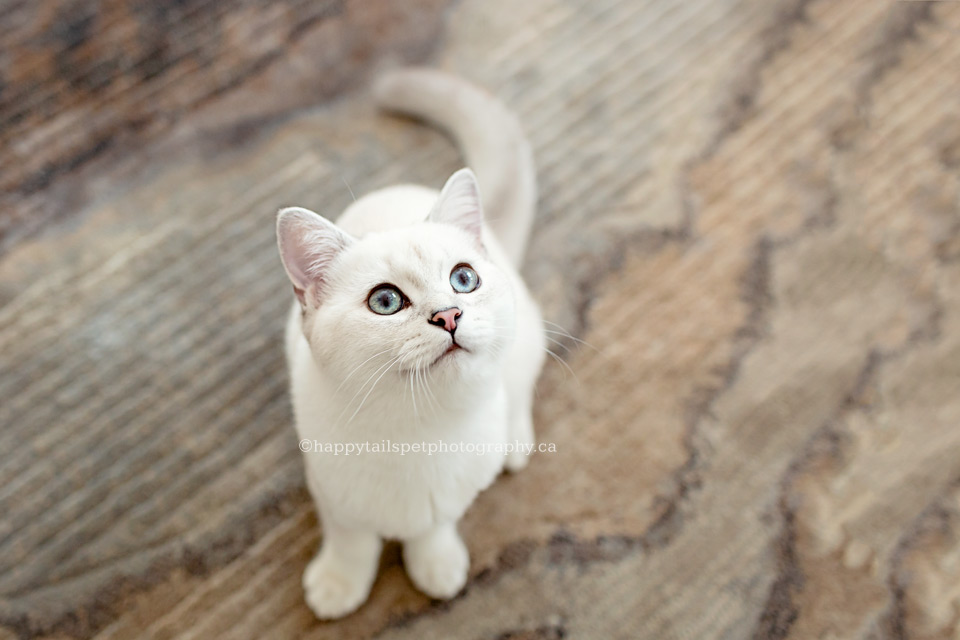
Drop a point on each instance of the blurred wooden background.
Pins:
(749, 210)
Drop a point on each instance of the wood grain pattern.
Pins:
(749, 210)
(87, 83)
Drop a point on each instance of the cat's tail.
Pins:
(489, 136)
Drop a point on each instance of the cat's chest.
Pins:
(404, 494)
(405, 475)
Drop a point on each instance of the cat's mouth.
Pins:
(451, 351)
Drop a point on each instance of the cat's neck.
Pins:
(412, 406)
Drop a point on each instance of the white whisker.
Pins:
(416, 375)
(352, 195)
(392, 362)
(563, 362)
(557, 342)
(574, 338)
(363, 386)
(564, 332)
(356, 368)
(428, 392)
(413, 397)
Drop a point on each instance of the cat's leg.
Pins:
(437, 561)
(338, 579)
(520, 431)
(523, 364)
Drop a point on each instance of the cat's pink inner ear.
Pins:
(309, 245)
(459, 204)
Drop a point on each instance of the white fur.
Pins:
(358, 376)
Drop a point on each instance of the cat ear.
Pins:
(308, 245)
(459, 204)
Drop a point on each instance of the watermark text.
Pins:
(428, 447)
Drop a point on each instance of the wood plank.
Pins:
(749, 211)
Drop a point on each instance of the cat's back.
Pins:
(388, 208)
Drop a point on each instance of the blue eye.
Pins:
(385, 300)
(464, 279)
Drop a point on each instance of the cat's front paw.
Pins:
(520, 429)
(515, 461)
(438, 564)
(332, 590)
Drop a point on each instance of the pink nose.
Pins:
(446, 319)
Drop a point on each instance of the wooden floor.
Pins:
(750, 212)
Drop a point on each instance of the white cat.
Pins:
(412, 325)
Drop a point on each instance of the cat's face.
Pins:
(417, 301)
(395, 298)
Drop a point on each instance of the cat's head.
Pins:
(424, 297)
